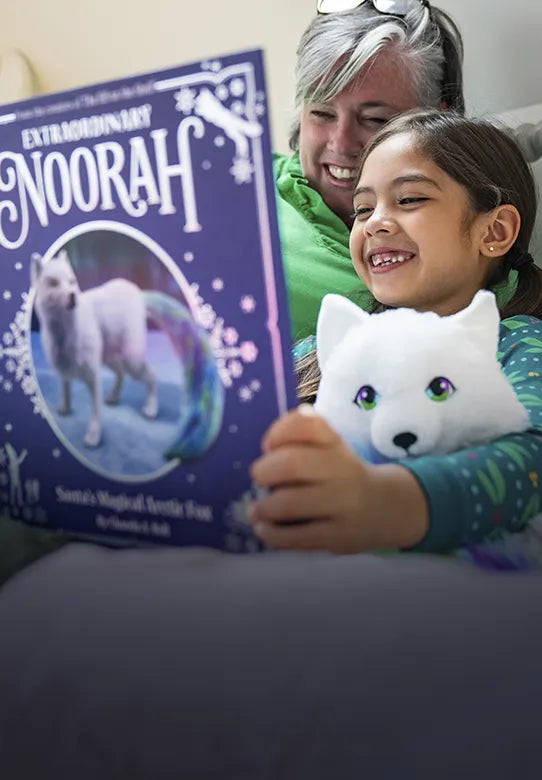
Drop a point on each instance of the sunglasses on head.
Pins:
(391, 7)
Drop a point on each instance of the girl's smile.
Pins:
(383, 259)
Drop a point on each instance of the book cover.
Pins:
(144, 331)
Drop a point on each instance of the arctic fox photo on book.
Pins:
(80, 331)
(129, 376)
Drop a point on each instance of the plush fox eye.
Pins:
(366, 397)
(439, 389)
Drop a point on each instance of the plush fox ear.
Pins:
(481, 318)
(337, 315)
(36, 265)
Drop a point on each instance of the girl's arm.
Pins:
(434, 503)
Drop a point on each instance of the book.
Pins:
(144, 330)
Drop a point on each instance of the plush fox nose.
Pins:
(405, 440)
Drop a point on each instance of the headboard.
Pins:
(17, 80)
(527, 122)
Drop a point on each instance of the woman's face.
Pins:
(333, 135)
(414, 241)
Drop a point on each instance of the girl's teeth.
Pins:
(341, 173)
(387, 259)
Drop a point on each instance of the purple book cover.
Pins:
(144, 331)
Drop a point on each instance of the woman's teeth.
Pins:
(388, 259)
(341, 173)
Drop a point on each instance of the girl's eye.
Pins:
(409, 201)
(439, 389)
(366, 398)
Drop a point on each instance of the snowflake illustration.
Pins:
(245, 393)
(237, 87)
(222, 92)
(242, 170)
(249, 351)
(207, 316)
(220, 141)
(6, 295)
(255, 385)
(260, 109)
(231, 336)
(236, 512)
(217, 284)
(235, 368)
(16, 357)
(213, 65)
(185, 100)
(247, 304)
(229, 354)
(238, 107)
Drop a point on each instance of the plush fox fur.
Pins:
(80, 331)
(382, 382)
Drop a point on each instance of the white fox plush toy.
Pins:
(403, 383)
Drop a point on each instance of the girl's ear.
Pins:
(503, 227)
(337, 315)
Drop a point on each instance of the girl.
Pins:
(443, 207)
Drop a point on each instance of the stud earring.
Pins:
(491, 248)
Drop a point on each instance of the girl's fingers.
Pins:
(288, 465)
(296, 502)
(300, 426)
(301, 463)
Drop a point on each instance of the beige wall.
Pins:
(73, 42)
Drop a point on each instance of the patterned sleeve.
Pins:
(478, 493)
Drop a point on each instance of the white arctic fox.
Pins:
(408, 383)
(82, 330)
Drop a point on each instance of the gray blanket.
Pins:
(147, 665)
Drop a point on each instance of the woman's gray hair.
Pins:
(335, 47)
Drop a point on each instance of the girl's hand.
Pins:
(323, 496)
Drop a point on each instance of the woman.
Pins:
(356, 69)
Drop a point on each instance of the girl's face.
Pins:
(414, 242)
